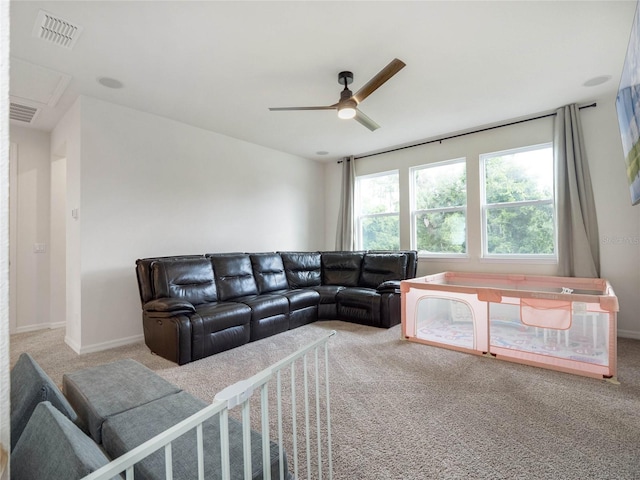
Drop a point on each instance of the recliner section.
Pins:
(236, 283)
(199, 305)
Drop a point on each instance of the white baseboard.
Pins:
(72, 344)
(40, 326)
(629, 334)
(98, 347)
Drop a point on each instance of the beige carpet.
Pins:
(407, 411)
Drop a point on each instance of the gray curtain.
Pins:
(578, 242)
(345, 238)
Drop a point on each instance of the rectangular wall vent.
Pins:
(55, 30)
(22, 113)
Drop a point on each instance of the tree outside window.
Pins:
(378, 207)
(518, 202)
(439, 199)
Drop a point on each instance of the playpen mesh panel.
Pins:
(447, 321)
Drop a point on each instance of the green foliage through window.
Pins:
(440, 201)
(381, 232)
(517, 203)
(519, 210)
(378, 206)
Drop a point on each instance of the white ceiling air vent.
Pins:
(55, 30)
(22, 113)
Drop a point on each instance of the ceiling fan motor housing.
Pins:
(346, 95)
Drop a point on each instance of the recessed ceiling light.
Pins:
(592, 82)
(322, 152)
(110, 82)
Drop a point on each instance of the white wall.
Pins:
(32, 222)
(65, 240)
(151, 186)
(619, 223)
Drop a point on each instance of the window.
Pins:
(438, 212)
(377, 207)
(518, 202)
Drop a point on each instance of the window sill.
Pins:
(518, 259)
(445, 258)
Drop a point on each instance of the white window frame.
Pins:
(415, 212)
(359, 216)
(534, 258)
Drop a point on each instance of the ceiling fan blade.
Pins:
(376, 82)
(366, 121)
(282, 109)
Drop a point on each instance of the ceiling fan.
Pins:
(348, 105)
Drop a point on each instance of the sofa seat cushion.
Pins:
(30, 385)
(263, 306)
(221, 315)
(218, 327)
(52, 447)
(359, 304)
(98, 393)
(301, 298)
(129, 429)
(328, 293)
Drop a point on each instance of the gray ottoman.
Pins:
(98, 393)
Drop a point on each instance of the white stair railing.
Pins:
(240, 395)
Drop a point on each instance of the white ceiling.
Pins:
(221, 65)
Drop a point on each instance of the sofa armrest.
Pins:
(165, 307)
(390, 286)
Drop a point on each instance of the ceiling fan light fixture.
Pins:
(347, 110)
(347, 113)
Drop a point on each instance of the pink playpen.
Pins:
(562, 323)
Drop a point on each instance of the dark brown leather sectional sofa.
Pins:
(198, 305)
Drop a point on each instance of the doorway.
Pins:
(13, 237)
(58, 241)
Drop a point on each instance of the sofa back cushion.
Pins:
(302, 269)
(234, 275)
(53, 447)
(268, 271)
(144, 274)
(190, 279)
(30, 385)
(341, 268)
(378, 268)
(412, 260)
(412, 263)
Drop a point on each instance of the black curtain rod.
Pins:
(594, 104)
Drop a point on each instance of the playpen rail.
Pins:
(239, 394)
